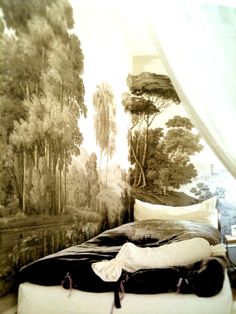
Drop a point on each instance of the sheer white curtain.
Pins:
(197, 41)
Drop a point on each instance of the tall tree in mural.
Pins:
(42, 98)
(104, 121)
(93, 180)
(149, 95)
(168, 160)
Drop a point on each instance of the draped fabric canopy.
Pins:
(197, 41)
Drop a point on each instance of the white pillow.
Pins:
(204, 212)
(132, 258)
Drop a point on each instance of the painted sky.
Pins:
(111, 34)
(108, 51)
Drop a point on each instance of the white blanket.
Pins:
(132, 258)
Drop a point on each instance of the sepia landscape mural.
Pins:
(53, 193)
(82, 134)
(170, 162)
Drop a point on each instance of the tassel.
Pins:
(65, 282)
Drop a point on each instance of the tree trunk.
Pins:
(106, 168)
(137, 172)
(51, 176)
(50, 159)
(27, 91)
(65, 198)
(36, 155)
(100, 165)
(59, 194)
(62, 95)
(54, 184)
(16, 180)
(47, 202)
(140, 167)
(24, 182)
(144, 155)
(43, 58)
(145, 145)
(37, 89)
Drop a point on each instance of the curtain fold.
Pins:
(197, 42)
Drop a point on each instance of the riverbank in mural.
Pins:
(92, 207)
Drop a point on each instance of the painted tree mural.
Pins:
(203, 191)
(149, 95)
(42, 98)
(168, 163)
(104, 121)
(160, 158)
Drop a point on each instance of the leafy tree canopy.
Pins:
(178, 121)
(41, 100)
(17, 13)
(152, 84)
(138, 105)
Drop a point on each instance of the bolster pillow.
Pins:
(132, 258)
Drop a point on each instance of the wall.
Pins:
(52, 196)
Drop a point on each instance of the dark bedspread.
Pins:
(72, 266)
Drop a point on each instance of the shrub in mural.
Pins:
(203, 191)
(84, 185)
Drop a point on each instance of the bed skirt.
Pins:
(56, 300)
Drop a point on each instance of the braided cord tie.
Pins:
(68, 276)
(180, 283)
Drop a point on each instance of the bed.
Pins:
(118, 272)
